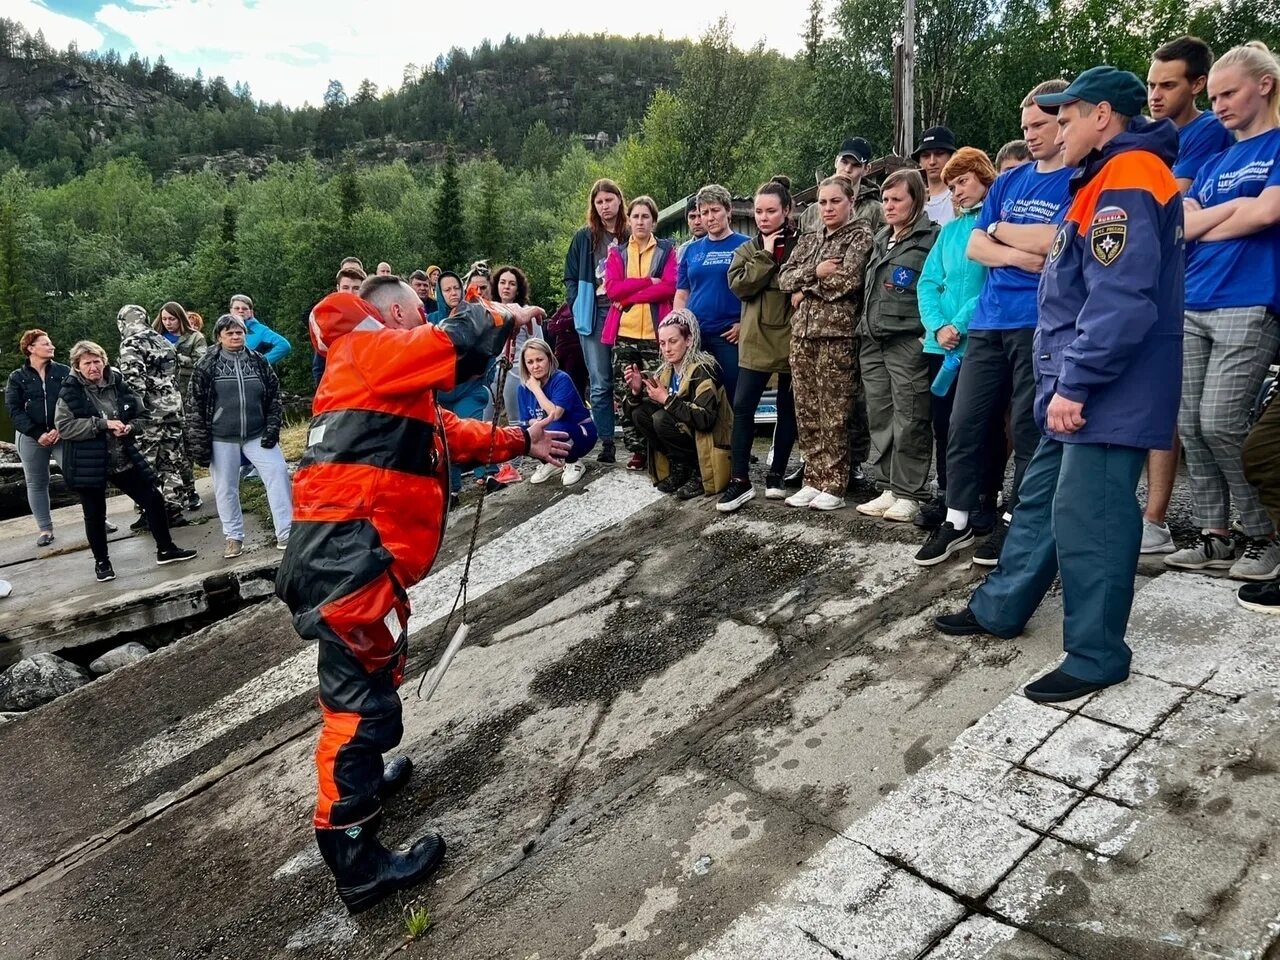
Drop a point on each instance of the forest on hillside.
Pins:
(78, 241)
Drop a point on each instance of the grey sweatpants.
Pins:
(35, 472)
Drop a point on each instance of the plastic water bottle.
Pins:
(946, 376)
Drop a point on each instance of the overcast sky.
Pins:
(288, 50)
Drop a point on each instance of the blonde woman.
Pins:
(547, 393)
(681, 411)
(1232, 302)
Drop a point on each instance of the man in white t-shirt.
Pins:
(937, 144)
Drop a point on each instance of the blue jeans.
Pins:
(599, 359)
(582, 438)
(726, 355)
(1077, 514)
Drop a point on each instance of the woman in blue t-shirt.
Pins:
(547, 393)
(702, 285)
(1232, 301)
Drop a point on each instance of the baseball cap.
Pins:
(1120, 88)
(857, 148)
(935, 138)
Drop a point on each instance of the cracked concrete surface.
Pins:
(678, 734)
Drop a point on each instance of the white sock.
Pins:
(958, 518)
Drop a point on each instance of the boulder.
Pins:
(39, 679)
(117, 658)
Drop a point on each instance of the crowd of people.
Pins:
(896, 325)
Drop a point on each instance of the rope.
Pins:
(504, 368)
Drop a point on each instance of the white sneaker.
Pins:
(904, 510)
(544, 473)
(826, 501)
(803, 497)
(1156, 538)
(573, 472)
(878, 506)
(775, 493)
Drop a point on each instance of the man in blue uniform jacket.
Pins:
(1108, 365)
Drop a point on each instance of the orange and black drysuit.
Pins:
(370, 500)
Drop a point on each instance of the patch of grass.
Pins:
(293, 440)
(417, 921)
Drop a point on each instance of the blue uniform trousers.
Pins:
(1077, 514)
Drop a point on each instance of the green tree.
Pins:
(19, 299)
(448, 231)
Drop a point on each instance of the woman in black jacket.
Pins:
(234, 409)
(31, 396)
(93, 421)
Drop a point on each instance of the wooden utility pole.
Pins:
(904, 94)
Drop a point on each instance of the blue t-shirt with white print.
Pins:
(1023, 195)
(704, 272)
(1245, 271)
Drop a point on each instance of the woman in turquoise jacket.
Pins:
(948, 291)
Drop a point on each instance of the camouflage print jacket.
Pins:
(149, 365)
(833, 305)
(866, 206)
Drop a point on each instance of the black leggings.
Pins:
(751, 387)
(996, 448)
(137, 488)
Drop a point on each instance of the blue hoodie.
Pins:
(1111, 295)
(262, 339)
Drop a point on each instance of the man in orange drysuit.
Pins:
(370, 500)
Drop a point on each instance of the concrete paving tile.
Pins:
(1081, 751)
(1100, 825)
(847, 902)
(1012, 730)
(1183, 626)
(1203, 716)
(994, 784)
(1147, 901)
(981, 938)
(938, 833)
(1252, 668)
(1137, 778)
(1138, 704)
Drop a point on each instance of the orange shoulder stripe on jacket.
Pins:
(1132, 170)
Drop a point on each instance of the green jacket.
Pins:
(764, 339)
(890, 307)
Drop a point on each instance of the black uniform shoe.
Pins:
(932, 515)
(395, 774)
(691, 488)
(174, 554)
(942, 543)
(962, 624)
(794, 481)
(1059, 687)
(737, 493)
(103, 571)
(1260, 597)
(607, 453)
(675, 479)
(988, 552)
(366, 871)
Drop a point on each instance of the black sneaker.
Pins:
(775, 487)
(983, 521)
(178, 520)
(942, 543)
(606, 454)
(140, 525)
(988, 552)
(932, 515)
(737, 493)
(691, 489)
(103, 571)
(794, 481)
(1260, 597)
(174, 554)
(193, 502)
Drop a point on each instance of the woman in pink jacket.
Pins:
(640, 281)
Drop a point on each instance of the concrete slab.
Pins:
(981, 938)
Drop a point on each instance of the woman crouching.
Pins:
(682, 412)
(547, 393)
(93, 421)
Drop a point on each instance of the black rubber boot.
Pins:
(366, 871)
(395, 774)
